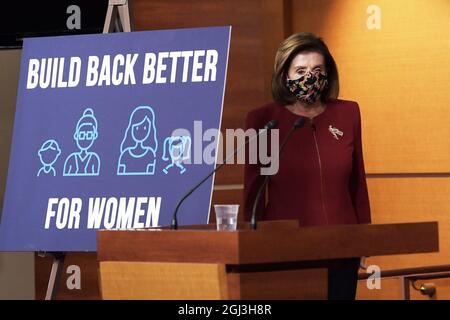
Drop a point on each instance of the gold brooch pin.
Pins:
(335, 132)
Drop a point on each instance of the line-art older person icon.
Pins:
(178, 149)
(84, 162)
(139, 144)
(48, 154)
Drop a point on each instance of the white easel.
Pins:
(117, 20)
(117, 17)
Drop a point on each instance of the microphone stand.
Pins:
(174, 225)
(297, 124)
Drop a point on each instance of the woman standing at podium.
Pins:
(321, 177)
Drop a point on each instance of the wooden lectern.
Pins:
(280, 260)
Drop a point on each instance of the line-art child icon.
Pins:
(139, 144)
(84, 163)
(178, 148)
(48, 154)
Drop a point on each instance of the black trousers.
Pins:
(343, 279)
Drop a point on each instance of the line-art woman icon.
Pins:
(139, 144)
(84, 163)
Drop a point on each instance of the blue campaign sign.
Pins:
(110, 131)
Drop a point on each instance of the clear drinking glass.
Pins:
(226, 216)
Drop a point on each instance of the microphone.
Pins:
(297, 124)
(174, 225)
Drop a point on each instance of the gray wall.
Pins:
(16, 269)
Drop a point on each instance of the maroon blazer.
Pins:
(321, 178)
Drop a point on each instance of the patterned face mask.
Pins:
(309, 86)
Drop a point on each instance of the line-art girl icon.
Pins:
(139, 144)
(84, 163)
(178, 148)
